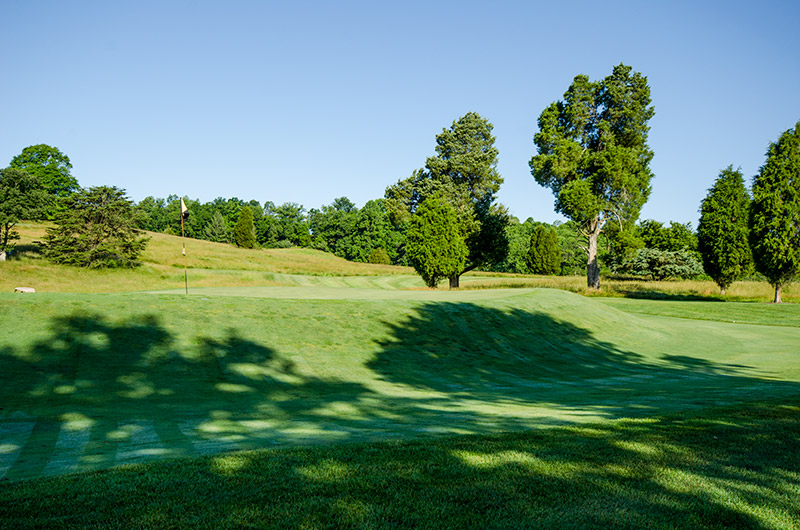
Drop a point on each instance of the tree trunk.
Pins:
(592, 268)
(454, 282)
(722, 291)
(778, 294)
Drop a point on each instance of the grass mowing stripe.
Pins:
(730, 467)
(256, 372)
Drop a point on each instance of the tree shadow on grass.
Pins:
(470, 351)
(100, 392)
(735, 468)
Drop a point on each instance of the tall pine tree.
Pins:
(775, 212)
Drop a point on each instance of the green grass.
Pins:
(292, 389)
(722, 468)
(209, 264)
(138, 377)
(733, 312)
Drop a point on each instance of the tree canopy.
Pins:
(51, 166)
(722, 235)
(593, 153)
(22, 196)
(97, 229)
(434, 244)
(775, 212)
(464, 173)
(544, 255)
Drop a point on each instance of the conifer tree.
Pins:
(722, 235)
(434, 244)
(217, 228)
(97, 229)
(544, 256)
(593, 154)
(244, 233)
(775, 212)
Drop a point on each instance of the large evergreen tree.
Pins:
(217, 229)
(434, 244)
(98, 228)
(593, 154)
(464, 173)
(722, 235)
(775, 212)
(544, 255)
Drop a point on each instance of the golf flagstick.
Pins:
(184, 215)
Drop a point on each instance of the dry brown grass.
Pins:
(209, 265)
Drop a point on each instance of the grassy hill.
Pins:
(209, 264)
(221, 265)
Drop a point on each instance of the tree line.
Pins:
(445, 220)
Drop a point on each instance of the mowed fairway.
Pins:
(94, 381)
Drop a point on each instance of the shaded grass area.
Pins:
(190, 375)
(733, 467)
(734, 312)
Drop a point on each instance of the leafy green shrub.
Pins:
(379, 256)
(663, 264)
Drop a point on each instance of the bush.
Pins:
(663, 264)
(379, 256)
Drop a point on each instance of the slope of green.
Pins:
(94, 381)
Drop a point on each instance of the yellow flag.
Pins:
(184, 209)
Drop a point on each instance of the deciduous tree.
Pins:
(593, 154)
(722, 235)
(775, 212)
(22, 196)
(51, 166)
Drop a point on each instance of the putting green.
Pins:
(344, 292)
(94, 381)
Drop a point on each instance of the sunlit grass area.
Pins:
(209, 264)
(222, 265)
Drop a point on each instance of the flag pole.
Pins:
(184, 211)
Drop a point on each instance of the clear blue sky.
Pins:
(308, 101)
